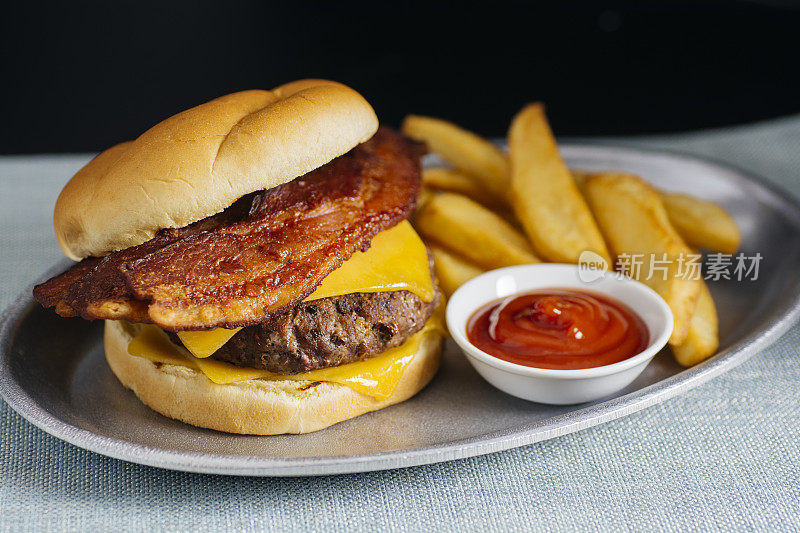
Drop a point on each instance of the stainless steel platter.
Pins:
(53, 372)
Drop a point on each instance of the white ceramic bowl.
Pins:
(543, 385)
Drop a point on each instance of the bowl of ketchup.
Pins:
(549, 333)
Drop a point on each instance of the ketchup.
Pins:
(558, 328)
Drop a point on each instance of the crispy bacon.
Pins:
(95, 288)
(52, 292)
(237, 269)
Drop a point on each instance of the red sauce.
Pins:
(558, 328)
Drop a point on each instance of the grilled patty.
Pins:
(328, 332)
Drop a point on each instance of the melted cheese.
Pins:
(376, 377)
(153, 344)
(203, 344)
(396, 261)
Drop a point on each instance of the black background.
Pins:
(80, 76)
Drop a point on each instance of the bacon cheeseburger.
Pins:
(253, 262)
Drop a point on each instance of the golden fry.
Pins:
(451, 180)
(464, 150)
(451, 270)
(702, 340)
(633, 219)
(473, 231)
(702, 223)
(505, 213)
(544, 196)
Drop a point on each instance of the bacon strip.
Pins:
(227, 271)
(95, 288)
(51, 292)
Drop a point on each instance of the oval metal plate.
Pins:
(53, 372)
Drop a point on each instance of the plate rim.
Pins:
(769, 329)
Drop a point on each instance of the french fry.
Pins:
(702, 340)
(446, 179)
(543, 194)
(464, 150)
(702, 223)
(635, 223)
(473, 231)
(451, 270)
(505, 213)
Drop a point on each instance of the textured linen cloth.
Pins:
(725, 455)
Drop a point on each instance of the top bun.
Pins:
(198, 162)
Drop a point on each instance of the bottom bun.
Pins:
(256, 406)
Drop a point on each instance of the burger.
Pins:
(253, 262)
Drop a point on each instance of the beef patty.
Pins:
(328, 332)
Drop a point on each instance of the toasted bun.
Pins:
(255, 407)
(198, 162)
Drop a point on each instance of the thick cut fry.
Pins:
(702, 340)
(451, 270)
(544, 195)
(506, 214)
(468, 228)
(464, 150)
(451, 180)
(702, 223)
(635, 223)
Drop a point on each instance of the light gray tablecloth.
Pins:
(724, 455)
